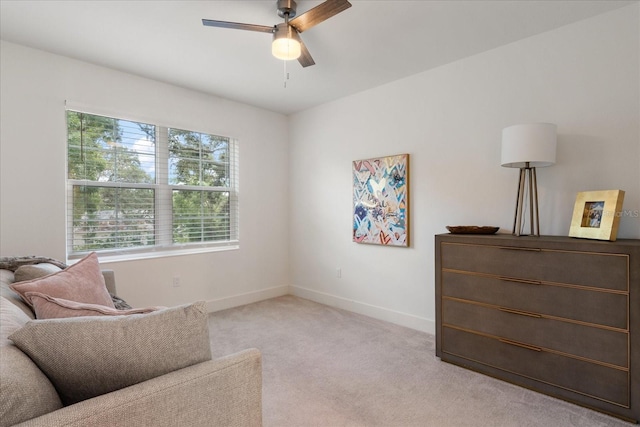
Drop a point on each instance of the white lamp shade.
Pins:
(529, 143)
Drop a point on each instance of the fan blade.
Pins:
(305, 58)
(320, 13)
(237, 26)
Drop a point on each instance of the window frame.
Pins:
(163, 196)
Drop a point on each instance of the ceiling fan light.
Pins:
(286, 49)
(286, 45)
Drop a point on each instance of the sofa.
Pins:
(222, 392)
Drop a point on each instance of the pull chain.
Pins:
(286, 74)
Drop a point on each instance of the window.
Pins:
(139, 187)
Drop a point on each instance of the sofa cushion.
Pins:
(25, 392)
(11, 319)
(48, 307)
(34, 271)
(6, 279)
(82, 282)
(89, 356)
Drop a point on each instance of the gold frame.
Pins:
(596, 215)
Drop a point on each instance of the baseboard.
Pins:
(246, 298)
(381, 313)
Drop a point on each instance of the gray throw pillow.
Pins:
(85, 357)
(35, 271)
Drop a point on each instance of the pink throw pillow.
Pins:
(48, 307)
(81, 282)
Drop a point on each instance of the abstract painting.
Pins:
(381, 200)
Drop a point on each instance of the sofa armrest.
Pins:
(220, 392)
(110, 280)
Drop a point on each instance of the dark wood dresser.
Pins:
(555, 314)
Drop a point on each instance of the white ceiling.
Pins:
(369, 44)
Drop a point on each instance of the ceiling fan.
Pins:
(287, 43)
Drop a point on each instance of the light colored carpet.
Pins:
(328, 367)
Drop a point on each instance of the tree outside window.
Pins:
(136, 185)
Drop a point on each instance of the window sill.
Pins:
(109, 258)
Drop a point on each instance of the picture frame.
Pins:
(596, 215)
(381, 200)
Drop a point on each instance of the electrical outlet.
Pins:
(176, 281)
(339, 273)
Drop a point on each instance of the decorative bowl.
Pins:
(472, 229)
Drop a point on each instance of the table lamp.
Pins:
(528, 146)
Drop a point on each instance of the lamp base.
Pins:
(527, 182)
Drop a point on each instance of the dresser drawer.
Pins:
(601, 345)
(601, 382)
(584, 305)
(608, 271)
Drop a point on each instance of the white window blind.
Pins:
(139, 187)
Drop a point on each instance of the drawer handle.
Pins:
(519, 344)
(521, 249)
(525, 281)
(521, 313)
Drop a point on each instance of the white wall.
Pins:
(583, 77)
(34, 87)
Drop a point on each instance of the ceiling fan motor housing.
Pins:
(286, 8)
